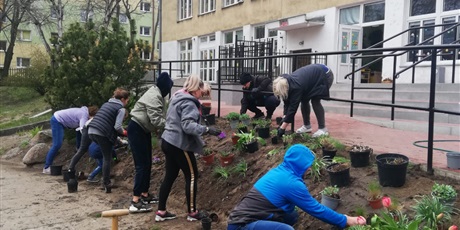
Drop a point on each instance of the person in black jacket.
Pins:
(258, 94)
(309, 83)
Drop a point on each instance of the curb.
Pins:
(10, 131)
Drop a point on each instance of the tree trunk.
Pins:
(16, 20)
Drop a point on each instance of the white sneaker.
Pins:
(320, 132)
(47, 171)
(304, 129)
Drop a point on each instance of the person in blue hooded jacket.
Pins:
(271, 201)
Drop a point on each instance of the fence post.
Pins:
(431, 112)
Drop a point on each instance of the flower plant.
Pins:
(444, 191)
(331, 191)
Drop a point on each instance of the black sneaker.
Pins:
(258, 115)
(197, 215)
(150, 199)
(139, 207)
(166, 216)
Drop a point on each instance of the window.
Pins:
(145, 55)
(2, 45)
(22, 62)
(53, 13)
(122, 18)
(451, 5)
(23, 35)
(86, 15)
(145, 30)
(207, 6)
(185, 9)
(228, 36)
(374, 12)
(231, 2)
(272, 33)
(349, 16)
(259, 32)
(419, 35)
(208, 68)
(145, 6)
(185, 53)
(420, 7)
(448, 38)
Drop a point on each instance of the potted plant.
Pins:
(234, 119)
(446, 193)
(235, 139)
(205, 108)
(359, 155)
(374, 195)
(226, 158)
(330, 197)
(392, 168)
(245, 119)
(287, 139)
(248, 141)
(263, 127)
(242, 128)
(339, 172)
(274, 134)
(330, 146)
(208, 156)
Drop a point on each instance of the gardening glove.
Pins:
(213, 131)
(281, 132)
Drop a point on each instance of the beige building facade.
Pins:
(195, 29)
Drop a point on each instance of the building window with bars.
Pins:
(185, 9)
(259, 32)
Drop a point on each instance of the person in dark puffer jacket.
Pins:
(271, 202)
(106, 126)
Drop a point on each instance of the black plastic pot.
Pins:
(275, 140)
(206, 223)
(72, 185)
(278, 120)
(68, 174)
(390, 174)
(210, 119)
(205, 110)
(328, 155)
(56, 170)
(264, 132)
(359, 159)
(340, 178)
(252, 147)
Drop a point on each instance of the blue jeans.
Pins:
(97, 170)
(57, 132)
(141, 147)
(289, 220)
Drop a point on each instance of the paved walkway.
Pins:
(382, 139)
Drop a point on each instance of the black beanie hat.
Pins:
(164, 83)
(245, 78)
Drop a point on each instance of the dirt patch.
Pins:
(215, 194)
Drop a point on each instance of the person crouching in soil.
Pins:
(270, 204)
(180, 140)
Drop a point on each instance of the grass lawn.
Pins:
(17, 104)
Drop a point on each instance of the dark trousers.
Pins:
(106, 148)
(317, 107)
(141, 147)
(270, 102)
(178, 159)
(84, 145)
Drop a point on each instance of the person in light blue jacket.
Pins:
(271, 201)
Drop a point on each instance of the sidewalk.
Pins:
(383, 140)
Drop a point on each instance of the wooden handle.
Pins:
(115, 212)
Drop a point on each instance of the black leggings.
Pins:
(178, 159)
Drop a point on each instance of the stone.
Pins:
(36, 154)
(12, 153)
(41, 137)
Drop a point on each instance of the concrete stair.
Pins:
(447, 98)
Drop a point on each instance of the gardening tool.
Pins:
(115, 214)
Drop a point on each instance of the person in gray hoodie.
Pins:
(180, 140)
(147, 116)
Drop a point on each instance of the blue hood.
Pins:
(298, 158)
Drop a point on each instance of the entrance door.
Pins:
(350, 39)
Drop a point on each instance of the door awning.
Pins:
(301, 21)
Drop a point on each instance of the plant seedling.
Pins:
(232, 116)
(241, 168)
(374, 190)
(444, 191)
(331, 191)
(222, 172)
